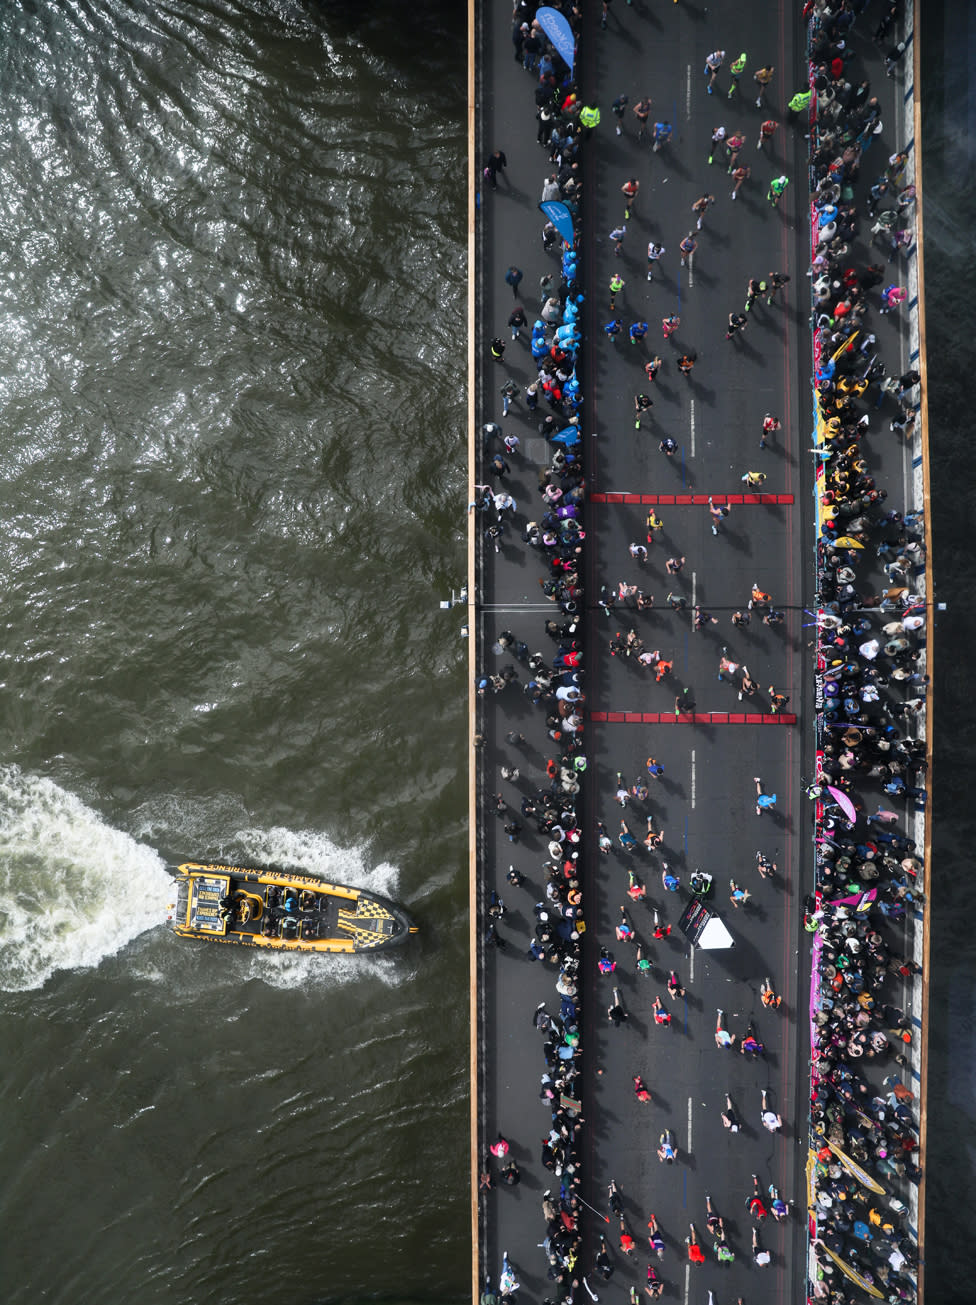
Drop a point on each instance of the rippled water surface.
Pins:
(231, 387)
(949, 137)
(231, 426)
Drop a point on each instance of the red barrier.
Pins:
(699, 500)
(692, 718)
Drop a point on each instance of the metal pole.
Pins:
(604, 1217)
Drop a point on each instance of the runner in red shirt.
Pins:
(627, 1243)
(695, 1253)
(755, 1203)
(766, 132)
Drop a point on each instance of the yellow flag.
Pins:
(853, 1168)
(853, 1274)
(843, 347)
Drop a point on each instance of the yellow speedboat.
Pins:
(283, 911)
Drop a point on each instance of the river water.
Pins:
(949, 138)
(231, 425)
(232, 462)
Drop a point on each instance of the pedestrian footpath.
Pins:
(872, 691)
(642, 515)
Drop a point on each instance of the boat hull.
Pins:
(282, 911)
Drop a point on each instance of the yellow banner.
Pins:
(853, 1274)
(853, 1168)
(843, 347)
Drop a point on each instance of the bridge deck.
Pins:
(705, 803)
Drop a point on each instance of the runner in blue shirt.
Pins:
(763, 800)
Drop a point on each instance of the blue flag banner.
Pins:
(560, 217)
(556, 27)
(569, 436)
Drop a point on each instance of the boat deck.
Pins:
(265, 909)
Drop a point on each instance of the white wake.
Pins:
(73, 890)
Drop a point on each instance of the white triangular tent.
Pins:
(714, 936)
(702, 928)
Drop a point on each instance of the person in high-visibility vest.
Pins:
(589, 117)
(799, 104)
(736, 68)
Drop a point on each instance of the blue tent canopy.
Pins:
(569, 436)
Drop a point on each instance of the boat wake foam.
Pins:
(73, 891)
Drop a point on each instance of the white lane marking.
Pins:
(691, 967)
(689, 1125)
(692, 419)
(691, 272)
(693, 779)
(688, 90)
(687, 1282)
(694, 588)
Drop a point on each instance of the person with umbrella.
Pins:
(844, 802)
